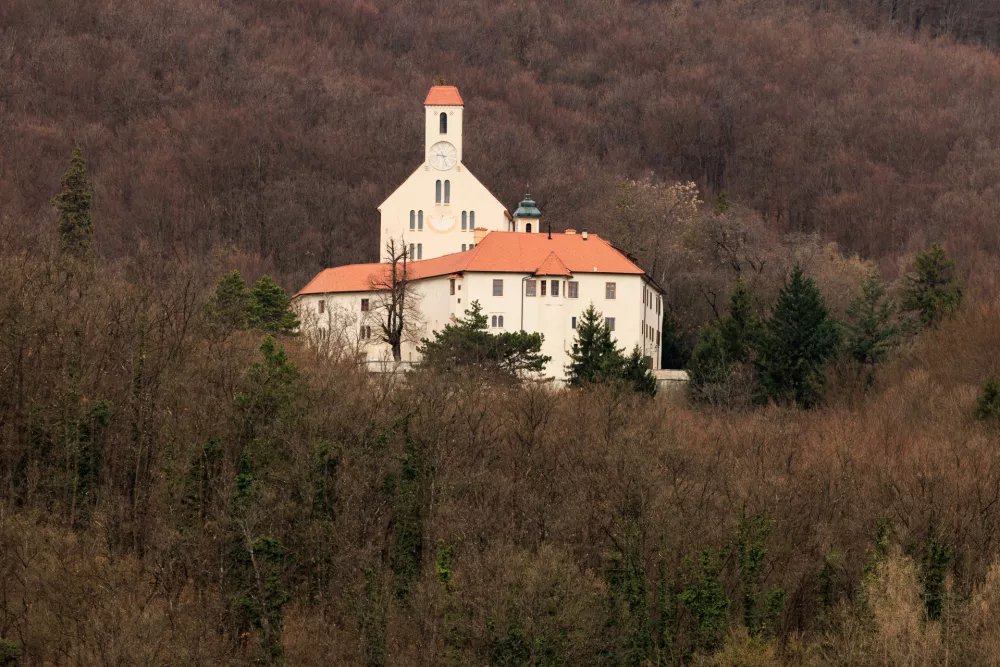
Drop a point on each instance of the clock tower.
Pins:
(438, 209)
(443, 127)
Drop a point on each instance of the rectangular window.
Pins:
(498, 287)
(573, 289)
(364, 305)
(609, 290)
(573, 322)
(555, 288)
(529, 288)
(420, 251)
(452, 281)
(463, 247)
(610, 321)
(322, 306)
(543, 288)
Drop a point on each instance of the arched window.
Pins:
(420, 221)
(527, 227)
(465, 220)
(500, 321)
(420, 251)
(472, 219)
(437, 192)
(447, 192)
(444, 123)
(413, 219)
(494, 321)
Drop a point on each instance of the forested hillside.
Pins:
(278, 127)
(186, 478)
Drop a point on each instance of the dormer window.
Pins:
(444, 123)
(527, 227)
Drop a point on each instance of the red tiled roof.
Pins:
(444, 96)
(552, 266)
(498, 252)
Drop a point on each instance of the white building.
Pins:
(436, 210)
(523, 279)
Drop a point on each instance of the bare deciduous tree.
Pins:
(395, 302)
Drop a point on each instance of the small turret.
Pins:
(527, 217)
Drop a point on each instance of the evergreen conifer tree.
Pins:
(637, 373)
(595, 358)
(76, 226)
(988, 401)
(468, 343)
(872, 326)
(742, 327)
(232, 304)
(933, 292)
(673, 354)
(799, 338)
(271, 308)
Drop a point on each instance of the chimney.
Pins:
(584, 235)
(479, 234)
(570, 232)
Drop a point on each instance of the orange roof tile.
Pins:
(444, 96)
(552, 266)
(498, 252)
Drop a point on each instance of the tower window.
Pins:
(543, 288)
(444, 123)
(420, 221)
(420, 251)
(472, 219)
(465, 220)
(463, 247)
(413, 220)
(412, 249)
(529, 288)
(555, 288)
(437, 192)
(447, 192)
(527, 227)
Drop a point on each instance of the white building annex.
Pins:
(464, 246)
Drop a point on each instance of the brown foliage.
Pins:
(279, 127)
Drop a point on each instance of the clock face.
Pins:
(441, 223)
(443, 155)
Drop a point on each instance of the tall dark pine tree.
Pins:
(271, 308)
(232, 304)
(799, 339)
(594, 357)
(933, 292)
(872, 326)
(76, 227)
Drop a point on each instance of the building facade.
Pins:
(438, 208)
(523, 279)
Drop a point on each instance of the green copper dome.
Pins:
(527, 209)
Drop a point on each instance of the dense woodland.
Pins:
(185, 482)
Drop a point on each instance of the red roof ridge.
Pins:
(443, 96)
(552, 266)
